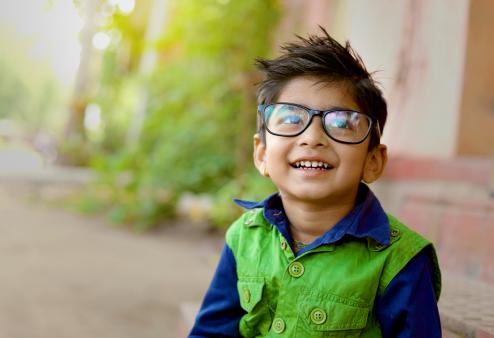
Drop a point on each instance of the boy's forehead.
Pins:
(318, 93)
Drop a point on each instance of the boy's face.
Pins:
(348, 163)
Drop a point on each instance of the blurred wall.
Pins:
(302, 17)
(433, 59)
(476, 124)
(420, 47)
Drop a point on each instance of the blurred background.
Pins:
(126, 129)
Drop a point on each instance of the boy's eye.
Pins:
(343, 120)
(290, 119)
(288, 115)
(339, 123)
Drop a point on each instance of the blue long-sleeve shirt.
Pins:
(407, 308)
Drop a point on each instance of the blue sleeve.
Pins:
(408, 306)
(220, 311)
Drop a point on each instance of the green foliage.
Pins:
(254, 188)
(198, 129)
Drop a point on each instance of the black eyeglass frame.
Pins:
(322, 113)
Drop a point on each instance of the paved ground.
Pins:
(67, 275)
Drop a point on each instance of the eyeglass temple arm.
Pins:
(378, 129)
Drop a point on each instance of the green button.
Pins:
(318, 316)
(278, 325)
(246, 294)
(296, 269)
(395, 233)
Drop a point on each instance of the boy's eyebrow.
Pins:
(335, 108)
(339, 108)
(325, 109)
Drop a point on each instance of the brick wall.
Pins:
(449, 202)
(463, 232)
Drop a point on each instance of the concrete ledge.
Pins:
(467, 307)
(48, 175)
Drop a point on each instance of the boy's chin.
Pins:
(312, 197)
(318, 195)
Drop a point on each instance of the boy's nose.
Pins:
(314, 135)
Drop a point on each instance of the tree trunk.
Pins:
(74, 129)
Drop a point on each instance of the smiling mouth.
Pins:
(318, 165)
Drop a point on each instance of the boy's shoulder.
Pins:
(405, 244)
(399, 231)
(403, 241)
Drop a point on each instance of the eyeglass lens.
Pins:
(342, 125)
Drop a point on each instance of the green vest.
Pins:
(326, 292)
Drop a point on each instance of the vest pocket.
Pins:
(326, 315)
(250, 292)
(257, 320)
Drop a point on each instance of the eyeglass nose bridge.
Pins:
(315, 112)
(312, 113)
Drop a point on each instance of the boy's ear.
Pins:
(375, 163)
(260, 155)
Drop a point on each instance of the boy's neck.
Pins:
(308, 221)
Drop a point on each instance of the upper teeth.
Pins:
(312, 164)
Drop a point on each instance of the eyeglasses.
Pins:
(341, 125)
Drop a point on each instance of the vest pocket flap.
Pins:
(250, 292)
(334, 315)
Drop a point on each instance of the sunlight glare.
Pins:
(53, 32)
(92, 117)
(101, 40)
(126, 6)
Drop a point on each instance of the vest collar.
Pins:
(366, 220)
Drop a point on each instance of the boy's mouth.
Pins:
(319, 165)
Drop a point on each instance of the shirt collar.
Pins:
(366, 220)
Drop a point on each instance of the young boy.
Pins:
(320, 258)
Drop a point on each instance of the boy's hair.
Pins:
(324, 58)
